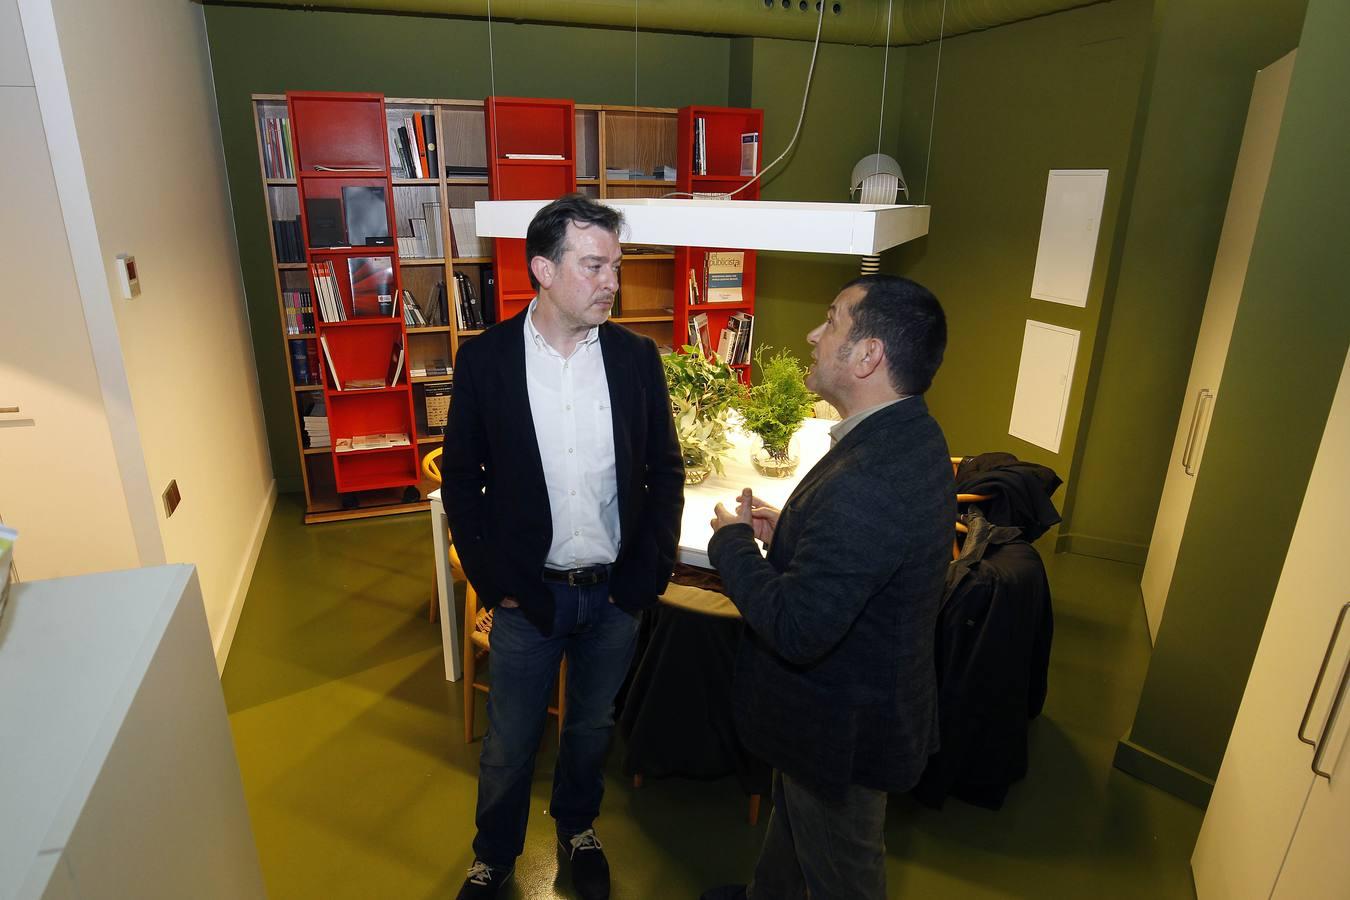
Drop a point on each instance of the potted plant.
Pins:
(702, 391)
(774, 409)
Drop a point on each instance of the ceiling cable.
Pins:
(932, 118)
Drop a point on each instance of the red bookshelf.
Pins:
(723, 127)
(340, 141)
(538, 128)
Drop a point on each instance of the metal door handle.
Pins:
(1317, 685)
(9, 409)
(1326, 729)
(1200, 398)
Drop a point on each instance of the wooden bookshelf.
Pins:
(721, 175)
(601, 137)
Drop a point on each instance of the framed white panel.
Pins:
(1069, 226)
(1043, 380)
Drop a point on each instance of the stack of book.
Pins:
(278, 153)
(469, 311)
(734, 345)
(286, 236)
(304, 362)
(435, 368)
(412, 144)
(412, 313)
(331, 306)
(299, 312)
(316, 425)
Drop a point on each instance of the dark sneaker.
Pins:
(590, 869)
(725, 892)
(483, 881)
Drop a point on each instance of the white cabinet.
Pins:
(118, 777)
(1275, 828)
(1216, 330)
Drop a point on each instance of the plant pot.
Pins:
(775, 462)
(697, 466)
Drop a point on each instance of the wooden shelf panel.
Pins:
(633, 320)
(424, 379)
(471, 260)
(429, 329)
(421, 261)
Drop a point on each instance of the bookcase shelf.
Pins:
(599, 137)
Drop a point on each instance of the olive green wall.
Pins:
(1058, 92)
(1289, 345)
(843, 123)
(257, 50)
(1206, 56)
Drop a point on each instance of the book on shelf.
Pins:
(750, 153)
(433, 151)
(408, 133)
(436, 311)
(278, 152)
(436, 368)
(299, 312)
(372, 281)
(371, 442)
(664, 173)
(300, 363)
(366, 216)
(286, 238)
(363, 384)
(464, 226)
(436, 405)
(419, 127)
(326, 290)
(743, 324)
(324, 218)
(461, 171)
(336, 382)
(726, 344)
(431, 214)
(488, 295)
(699, 335)
(693, 288)
(314, 420)
(398, 163)
(412, 313)
(700, 166)
(470, 310)
(395, 364)
(724, 275)
(533, 156)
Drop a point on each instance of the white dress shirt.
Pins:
(838, 431)
(569, 401)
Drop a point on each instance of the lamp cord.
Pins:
(932, 118)
(801, 116)
(881, 109)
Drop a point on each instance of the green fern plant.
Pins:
(776, 406)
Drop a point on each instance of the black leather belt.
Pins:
(582, 577)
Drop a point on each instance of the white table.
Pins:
(118, 776)
(695, 527)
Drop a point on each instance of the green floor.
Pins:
(360, 785)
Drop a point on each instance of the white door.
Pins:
(1216, 329)
(1273, 827)
(59, 481)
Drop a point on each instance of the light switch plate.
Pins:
(126, 273)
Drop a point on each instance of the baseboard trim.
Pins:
(240, 593)
(1163, 773)
(1102, 548)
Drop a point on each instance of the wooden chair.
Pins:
(477, 643)
(478, 627)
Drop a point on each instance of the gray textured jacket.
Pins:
(835, 681)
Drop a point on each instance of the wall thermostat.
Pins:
(126, 272)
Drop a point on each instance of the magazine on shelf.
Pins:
(699, 334)
(724, 274)
(372, 280)
(395, 363)
(750, 153)
(332, 369)
(366, 215)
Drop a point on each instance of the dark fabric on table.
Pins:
(676, 717)
(1021, 491)
(693, 576)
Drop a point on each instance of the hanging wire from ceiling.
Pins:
(492, 76)
(932, 117)
(885, 66)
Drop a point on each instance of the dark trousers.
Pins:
(822, 849)
(598, 639)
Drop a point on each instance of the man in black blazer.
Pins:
(564, 485)
(835, 683)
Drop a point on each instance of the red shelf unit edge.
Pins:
(501, 170)
(341, 483)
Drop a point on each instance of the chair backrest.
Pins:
(431, 465)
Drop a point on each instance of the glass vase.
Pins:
(775, 462)
(696, 466)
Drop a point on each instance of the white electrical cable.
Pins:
(885, 65)
(932, 118)
(492, 74)
(801, 117)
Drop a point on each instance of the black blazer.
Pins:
(493, 478)
(835, 681)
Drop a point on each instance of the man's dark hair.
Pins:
(908, 320)
(547, 233)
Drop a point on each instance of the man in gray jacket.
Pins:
(835, 682)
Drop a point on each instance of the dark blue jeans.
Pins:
(822, 849)
(598, 639)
